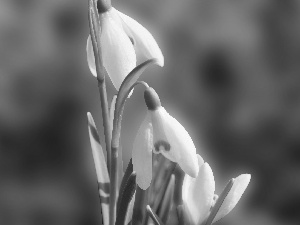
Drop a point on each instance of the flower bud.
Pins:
(103, 6)
(151, 99)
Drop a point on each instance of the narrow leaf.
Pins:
(139, 208)
(219, 202)
(125, 199)
(130, 211)
(120, 166)
(101, 168)
(112, 110)
(180, 215)
(126, 176)
(154, 217)
(238, 188)
(162, 180)
(167, 201)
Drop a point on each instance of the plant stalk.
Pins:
(106, 121)
(113, 184)
(95, 31)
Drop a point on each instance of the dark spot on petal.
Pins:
(165, 145)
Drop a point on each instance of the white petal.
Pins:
(197, 194)
(239, 186)
(117, 50)
(144, 43)
(142, 154)
(90, 56)
(182, 149)
(188, 179)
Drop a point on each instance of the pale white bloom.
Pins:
(142, 154)
(123, 42)
(161, 133)
(198, 195)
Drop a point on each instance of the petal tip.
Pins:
(160, 61)
(194, 173)
(244, 179)
(200, 161)
(143, 183)
(191, 170)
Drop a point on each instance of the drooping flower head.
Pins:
(123, 41)
(198, 195)
(161, 133)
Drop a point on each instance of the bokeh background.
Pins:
(231, 77)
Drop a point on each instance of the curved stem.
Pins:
(114, 153)
(140, 82)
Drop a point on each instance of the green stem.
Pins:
(106, 121)
(95, 32)
(95, 36)
(113, 184)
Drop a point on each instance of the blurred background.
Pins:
(231, 77)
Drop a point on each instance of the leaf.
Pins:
(139, 209)
(101, 168)
(126, 176)
(130, 211)
(120, 166)
(120, 150)
(161, 180)
(112, 110)
(154, 217)
(125, 199)
(234, 195)
(180, 214)
(167, 201)
(219, 202)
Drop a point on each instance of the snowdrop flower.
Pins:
(198, 195)
(123, 42)
(161, 133)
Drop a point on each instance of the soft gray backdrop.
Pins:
(231, 77)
